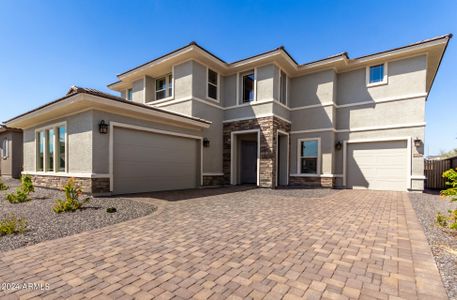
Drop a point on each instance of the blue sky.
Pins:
(47, 46)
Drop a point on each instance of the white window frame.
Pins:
(167, 83)
(299, 157)
(239, 87)
(5, 148)
(45, 147)
(127, 94)
(286, 87)
(216, 85)
(384, 79)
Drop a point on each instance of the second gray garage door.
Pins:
(377, 165)
(145, 162)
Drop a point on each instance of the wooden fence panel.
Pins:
(433, 173)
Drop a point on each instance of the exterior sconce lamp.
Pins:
(338, 145)
(205, 142)
(103, 127)
(417, 142)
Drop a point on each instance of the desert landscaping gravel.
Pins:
(443, 242)
(44, 224)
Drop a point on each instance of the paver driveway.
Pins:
(243, 244)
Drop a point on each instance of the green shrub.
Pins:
(12, 225)
(111, 210)
(450, 220)
(27, 184)
(18, 197)
(23, 191)
(3, 187)
(71, 202)
(441, 219)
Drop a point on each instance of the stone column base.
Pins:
(88, 185)
(326, 182)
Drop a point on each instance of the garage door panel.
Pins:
(145, 161)
(377, 165)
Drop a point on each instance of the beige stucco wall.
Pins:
(183, 80)
(79, 147)
(312, 89)
(138, 91)
(228, 91)
(405, 77)
(264, 80)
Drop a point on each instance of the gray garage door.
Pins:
(145, 162)
(377, 166)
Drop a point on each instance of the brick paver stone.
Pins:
(236, 243)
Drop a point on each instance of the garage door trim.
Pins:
(357, 141)
(151, 130)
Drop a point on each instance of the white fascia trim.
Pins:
(175, 101)
(383, 100)
(71, 174)
(418, 177)
(256, 117)
(213, 174)
(422, 124)
(312, 106)
(317, 175)
(151, 130)
(400, 126)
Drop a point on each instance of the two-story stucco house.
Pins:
(190, 119)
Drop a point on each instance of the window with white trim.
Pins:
(164, 87)
(5, 148)
(51, 149)
(377, 74)
(247, 86)
(129, 94)
(213, 84)
(283, 88)
(309, 156)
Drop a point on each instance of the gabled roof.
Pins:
(76, 90)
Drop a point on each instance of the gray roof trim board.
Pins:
(283, 49)
(74, 90)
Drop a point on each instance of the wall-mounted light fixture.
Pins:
(103, 127)
(205, 142)
(338, 145)
(417, 142)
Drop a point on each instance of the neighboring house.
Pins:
(188, 119)
(10, 152)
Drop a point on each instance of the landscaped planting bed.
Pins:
(443, 242)
(44, 224)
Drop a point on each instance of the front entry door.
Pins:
(248, 162)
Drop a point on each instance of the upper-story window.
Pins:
(248, 81)
(377, 74)
(129, 95)
(164, 87)
(283, 88)
(213, 84)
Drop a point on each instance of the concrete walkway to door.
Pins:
(234, 243)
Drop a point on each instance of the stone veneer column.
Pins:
(268, 127)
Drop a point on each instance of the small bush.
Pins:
(23, 191)
(27, 184)
(111, 210)
(18, 197)
(441, 219)
(12, 225)
(3, 187)
(71, 202)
